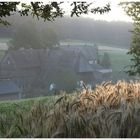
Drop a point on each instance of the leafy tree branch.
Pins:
(47, 11)
(132, 9)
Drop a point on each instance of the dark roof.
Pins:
(8, 87)
(74, 58)
(68, 57)
(69, 60)
(88, 51)
(27, 57)
(60, 58)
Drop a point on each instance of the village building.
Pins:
(63, 66)
(22, 66)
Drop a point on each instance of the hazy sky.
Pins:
(116, 13)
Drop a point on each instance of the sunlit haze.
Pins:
(116, 13)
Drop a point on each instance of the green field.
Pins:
(119, 58)
(119, 61)
(9, 107)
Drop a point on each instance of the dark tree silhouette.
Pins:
(133, 10)
(106, 62)
(48, 11)
(27, 35)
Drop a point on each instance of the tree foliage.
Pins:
(106, 61)
(28, 36)
(133, 10)
(25, 36)
(47, 11)
(48, 38)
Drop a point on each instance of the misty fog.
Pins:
(44, 58)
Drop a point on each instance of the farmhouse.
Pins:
(22, 66)
(63, 66)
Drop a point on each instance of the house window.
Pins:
(90, 62)
(8, 61)
(95, 61)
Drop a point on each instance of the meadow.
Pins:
(8, 107)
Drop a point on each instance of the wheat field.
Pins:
(109, 111)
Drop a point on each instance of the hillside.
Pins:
(86, 29)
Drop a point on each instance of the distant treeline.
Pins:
(115, 33)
